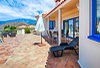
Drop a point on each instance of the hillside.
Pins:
(12, 24)
(28, 21)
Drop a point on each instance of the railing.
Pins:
(1, 36)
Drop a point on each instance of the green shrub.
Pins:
(7, 26)
(7, 30)
(27, 30)
(13, 27)
(10, 29)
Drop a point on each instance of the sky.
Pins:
(14, 9)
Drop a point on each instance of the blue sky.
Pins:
(14, 9)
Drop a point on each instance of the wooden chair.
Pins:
(52, 37)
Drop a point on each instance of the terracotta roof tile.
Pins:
(55, 8)
(23, 26)
(31, 26)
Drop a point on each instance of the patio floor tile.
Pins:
(63, 61)
(71, 63)
(9, 66)
(56, 59)
(52, 62)
(71, 59)
(67, 66)
(34, 63)
(28, 61)
(40, 65)
(5, 65)
(16, 63)
(59, 65)
(22, 65)
(6, 48)
(77, 65)
(12, 61)
(24, 54)
(29, 66)
(23, 60)
(2, 62)
(49, 66)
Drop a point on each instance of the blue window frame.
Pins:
(52, 24)
(95, 21)
(73, 26)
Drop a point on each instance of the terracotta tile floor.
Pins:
(8, 47)
(28, 55)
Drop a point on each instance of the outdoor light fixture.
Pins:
(78, 6)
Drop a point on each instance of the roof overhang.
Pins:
(43, 14)
(65, 6)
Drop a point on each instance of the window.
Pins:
(70, 28)
(52, 24)
(95, 21)
(73, 26)
(76, 27)
(97, 27)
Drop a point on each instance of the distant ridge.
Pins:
(28, 21)
(13, 24)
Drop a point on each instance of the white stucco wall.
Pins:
(89, 51)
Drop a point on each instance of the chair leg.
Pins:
(61, 53)
(54, 54)
(58, 54)
(75, 52)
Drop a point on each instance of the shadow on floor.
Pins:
(68, 60)
(36, 43)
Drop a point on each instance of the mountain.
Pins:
(13, 24)
(28, 21)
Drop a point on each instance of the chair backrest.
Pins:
(74, 42)
(62, 31)
(50, 34)
(55, 32)
(67, 33)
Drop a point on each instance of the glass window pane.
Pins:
(97, 30)
(71, 28)
(53, 24)
(76, 27)
(50, 25)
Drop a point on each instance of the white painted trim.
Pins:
(80, 64)
(59, 25)
(48, 24)
(58, 8)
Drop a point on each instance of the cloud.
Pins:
(24, 8)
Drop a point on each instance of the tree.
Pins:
(6, 26)
(12, 27)
(27, 30)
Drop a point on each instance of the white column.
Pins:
(59, 26)
(48, 23)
